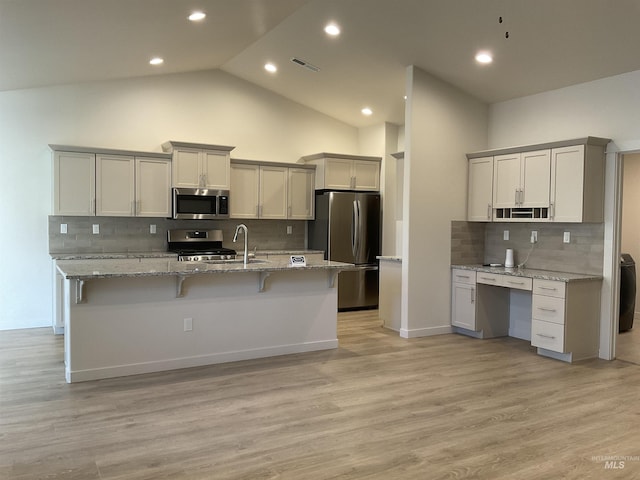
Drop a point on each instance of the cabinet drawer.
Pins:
(463, 276)
(550, 309)
(490, 278)
(549, 287)
(520, 283)
(547, 335)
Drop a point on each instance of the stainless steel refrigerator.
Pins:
(347, 228)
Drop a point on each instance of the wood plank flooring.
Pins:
(378, 407)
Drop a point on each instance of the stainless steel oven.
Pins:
(200, 203)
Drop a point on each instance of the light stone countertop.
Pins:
(111, 268)
(164, 254)
(531, 273)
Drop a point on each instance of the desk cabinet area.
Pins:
(564, 314)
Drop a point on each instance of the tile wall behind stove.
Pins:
(132, 234)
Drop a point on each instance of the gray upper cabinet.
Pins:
(554, 182)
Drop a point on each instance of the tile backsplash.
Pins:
(583, 254)
(132, 234)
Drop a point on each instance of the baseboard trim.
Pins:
(425, 332)
(196, 361)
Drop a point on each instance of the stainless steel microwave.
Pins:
(200, 203)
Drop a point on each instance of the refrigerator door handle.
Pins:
(354, 228)
(360, 230)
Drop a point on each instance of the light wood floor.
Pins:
(378, 407)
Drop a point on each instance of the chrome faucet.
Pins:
(242, 226)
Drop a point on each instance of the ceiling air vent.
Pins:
(302, 63)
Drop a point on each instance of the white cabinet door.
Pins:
(153, 187)
(366, 175)
(244, 191)
(301, 194)
(115, 185)
(338, 174)
(506, 180)
(535, 181)
(186, 168)
(215, 169)
(463, 305)
(273, 192)
(567, 182)
(480, 196)
(74, 183)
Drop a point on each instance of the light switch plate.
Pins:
(567, 237)
(63, 228)
(505, 235)
(96, 228)
(289, 229)
(152, 229)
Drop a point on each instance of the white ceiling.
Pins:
(551, 44)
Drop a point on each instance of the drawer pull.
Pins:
(489, 279)
(552, 310)
(463, 276)
(551, 337)
(516, 283)
(553, 289)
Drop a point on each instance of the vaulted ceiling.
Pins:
(550, 44)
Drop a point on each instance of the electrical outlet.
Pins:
(96, 229)
(567, 237)
(289, 229)
(152, 229)
(505, 235)
(534, 236)
(63, 228)
(188, 324)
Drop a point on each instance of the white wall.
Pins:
(139, 114)
(442, 123)
(608, 108)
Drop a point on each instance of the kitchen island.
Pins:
(127, 316)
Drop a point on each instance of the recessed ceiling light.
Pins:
(332, 29)
(270, 67)
(197, 16)
(484, 57)
(367, 111)
(156, 61)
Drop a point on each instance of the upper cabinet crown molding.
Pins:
(171, 144)
(597, 141)
(107, 151)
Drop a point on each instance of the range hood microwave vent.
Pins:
(305, 64)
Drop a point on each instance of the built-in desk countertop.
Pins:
(531, 273)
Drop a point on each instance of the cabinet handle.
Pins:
(552, 210)
(552, 310)
(488, 279)
(546, 336)
(462, 276)
(553, 289)
(515, 283)
(516, 198)
(488, 211)
(473, 295)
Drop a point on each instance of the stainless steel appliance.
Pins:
(347, 228)
(199, 245)
(200, 203)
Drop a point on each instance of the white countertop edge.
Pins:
(389, 258)
(531, 273)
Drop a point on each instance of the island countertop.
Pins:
(112, 268)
